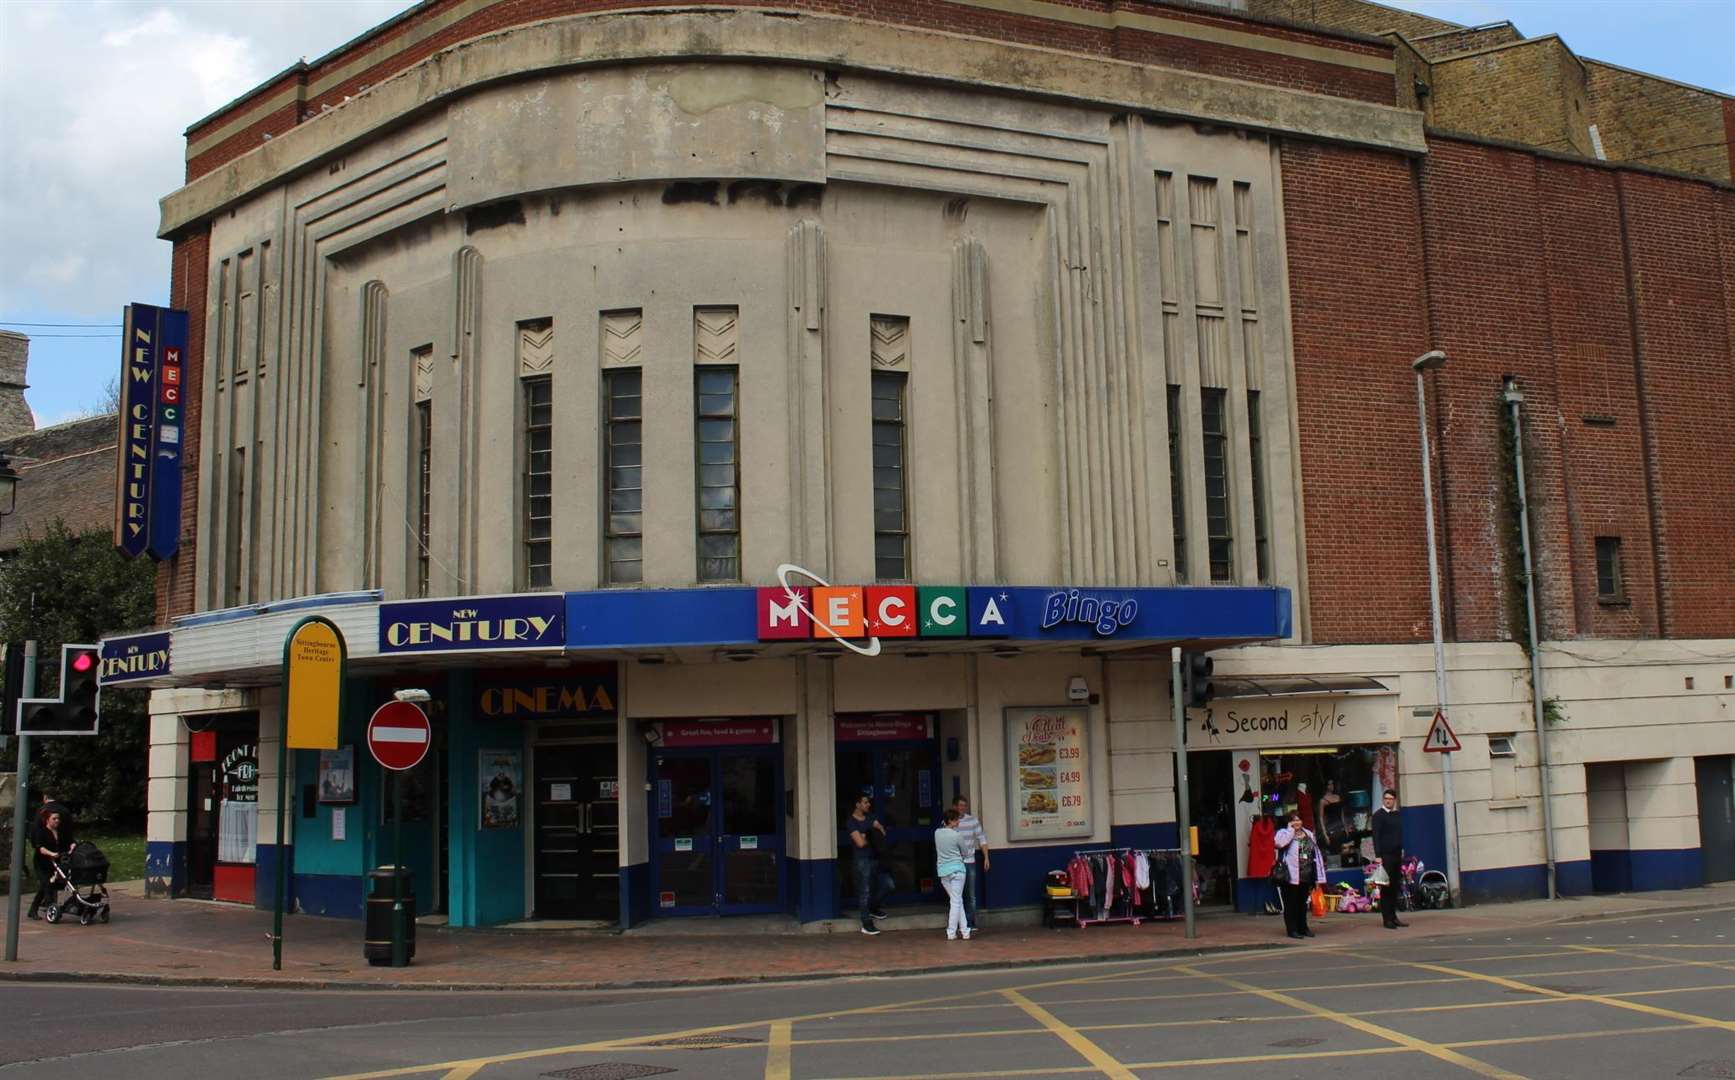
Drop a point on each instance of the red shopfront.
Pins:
(223, 808)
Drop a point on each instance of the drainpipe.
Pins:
(1514, 397)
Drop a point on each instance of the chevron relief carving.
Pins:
(622, 338)
(715, 333)
(424, 357)
(890, 343)
(535, 347)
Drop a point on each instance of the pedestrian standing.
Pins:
(867, 836)
(974, 839)
(1299, 850)
(1388, 828)
(949, 866)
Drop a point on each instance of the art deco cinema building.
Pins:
(724, 410)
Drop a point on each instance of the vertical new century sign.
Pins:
(147, 505)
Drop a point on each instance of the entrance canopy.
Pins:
(238, 647)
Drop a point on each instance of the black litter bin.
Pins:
(377, 939)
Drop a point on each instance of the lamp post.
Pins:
(1432, 361)
(21, 792)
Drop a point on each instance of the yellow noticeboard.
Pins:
(314, 658)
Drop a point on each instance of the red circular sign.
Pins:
(399, 734)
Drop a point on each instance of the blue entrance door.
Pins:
(717, 837)
(904, 780)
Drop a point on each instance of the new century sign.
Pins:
(537, 621)
(137, 656)
(147, 503)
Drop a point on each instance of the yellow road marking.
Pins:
(777, 1056)
(1433, 1050)
(464, 1072)
(1612, 1002)
(1627, 951)
(1091, 1052)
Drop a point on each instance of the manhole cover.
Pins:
(1717, 1070)
(1297, 1042)
(610, 1070)
(707, 1042)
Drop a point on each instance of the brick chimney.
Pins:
(15, 416)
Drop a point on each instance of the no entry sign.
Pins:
(398, 735)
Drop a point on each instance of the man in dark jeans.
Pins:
(868, 837)
(1388, 829)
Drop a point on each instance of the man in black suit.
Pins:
(1389, 849)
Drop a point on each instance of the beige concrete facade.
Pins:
(1043, 253)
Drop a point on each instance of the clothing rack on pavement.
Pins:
(1123, 884)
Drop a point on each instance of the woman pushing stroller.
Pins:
(50, 838)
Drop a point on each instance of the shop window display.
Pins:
(1334, 790)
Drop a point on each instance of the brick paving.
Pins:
(181, 941)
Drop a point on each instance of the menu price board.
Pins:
(1048, 773)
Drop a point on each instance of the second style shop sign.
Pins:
(1048, 773)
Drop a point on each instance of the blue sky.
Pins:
(91, 146)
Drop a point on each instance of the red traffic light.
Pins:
(83, 662)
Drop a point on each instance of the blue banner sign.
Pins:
(475, 623)
(651, 618)
(148, 463)
(136, 656)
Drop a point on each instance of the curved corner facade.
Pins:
(722, 413)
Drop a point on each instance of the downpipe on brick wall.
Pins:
(1514, 397)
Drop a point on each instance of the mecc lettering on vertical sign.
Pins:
(148, 468)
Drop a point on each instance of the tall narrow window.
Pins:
(891, 501)
(1177, 489)
(237, 527)
(719, 474)
(623, 529)
(538, 481)
(1215, 432)
(1261, 541)
(1609, 587)
(424, 490)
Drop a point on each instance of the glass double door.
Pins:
(904, 778)
(717, 831)
(577, 832)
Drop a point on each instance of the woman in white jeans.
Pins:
(949, 864)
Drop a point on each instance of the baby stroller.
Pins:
(84, 867)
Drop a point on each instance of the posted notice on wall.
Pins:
(1048, 773)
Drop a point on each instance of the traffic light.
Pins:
(78, 686)
(1196, 680)
(75, 711)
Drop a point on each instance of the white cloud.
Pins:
(94, 100)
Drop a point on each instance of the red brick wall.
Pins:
(1133, 45)
(1485, 269)
(188, 267)
(1679, 270)
(1528, 272)
(1603, 466)
(1355, 261)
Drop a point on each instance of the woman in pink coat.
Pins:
(1299, 850)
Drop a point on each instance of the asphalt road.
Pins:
(1640, 997)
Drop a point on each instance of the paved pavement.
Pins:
(191, 943)
(1629, 996)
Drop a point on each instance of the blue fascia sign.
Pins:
(536, 621)
(133, 657)
(662, 618)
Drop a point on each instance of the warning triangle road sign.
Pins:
(1441, 739)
